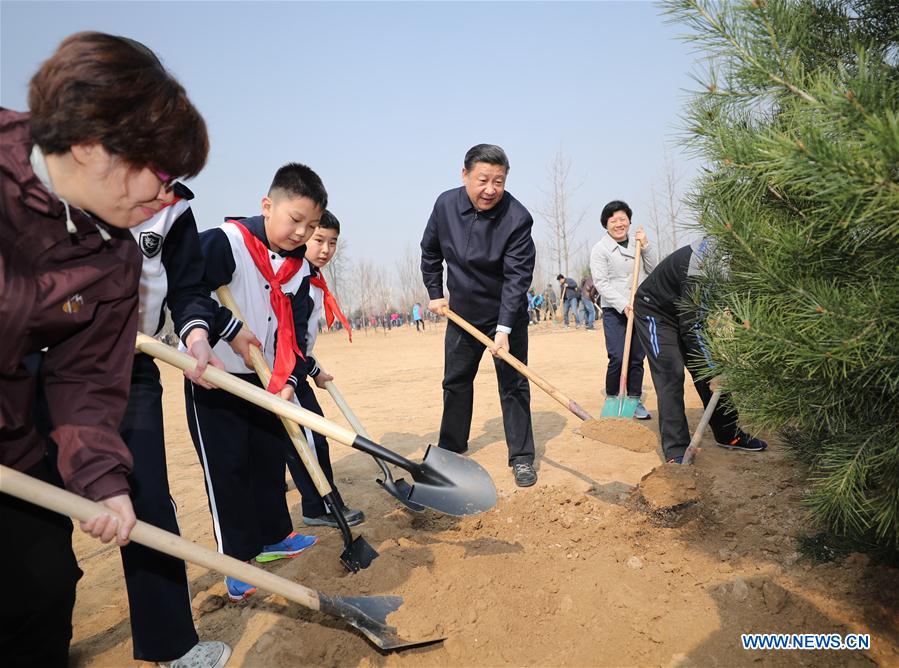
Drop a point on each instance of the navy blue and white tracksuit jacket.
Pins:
(172, 274)
(228, 262)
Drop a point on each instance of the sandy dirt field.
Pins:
(577, 571)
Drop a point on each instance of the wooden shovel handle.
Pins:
(53, 498)
(241, 388)
(700, 428)
(310, 461)
(344, 407)
(622, 387)
(519, 366)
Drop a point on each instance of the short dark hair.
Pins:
(612, 208)
(489, 153)
(296, 180)
(329, 222)
(99, 88)
(559, 277)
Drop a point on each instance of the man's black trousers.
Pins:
(241, 449)
(312, 502)
(462, 354)
(162, 626)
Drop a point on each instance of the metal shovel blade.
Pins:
(619, 406)
(369, 615)
(452, 484)
(400, 490)
(359, 554)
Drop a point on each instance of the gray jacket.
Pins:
(612, 268)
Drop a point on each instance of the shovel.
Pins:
(445, 481)
(519, 366)
(366, 613)
(693, 448)
(357, 552)
(622, 405)
(399, 489)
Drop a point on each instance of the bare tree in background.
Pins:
(337, 273)
(665, 208)
(409, 280)
(562, 223)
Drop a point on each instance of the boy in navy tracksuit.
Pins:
(241, 446)
(319, 251)
(671, 334)
(172, 276)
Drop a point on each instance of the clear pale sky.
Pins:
(383, 99)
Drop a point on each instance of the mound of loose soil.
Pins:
(622, 432)
(670, 486)
(565, 573)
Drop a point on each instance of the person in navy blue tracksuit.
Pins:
(671, 334)
(484, 236)
(171, 278)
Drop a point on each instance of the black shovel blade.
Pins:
(369, 615)
(400, 490)
(359, 554)
(453, 484)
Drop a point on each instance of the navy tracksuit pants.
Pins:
(671, 344)
(312, 502)
(241, 449)
(162, 626)
(462, 355)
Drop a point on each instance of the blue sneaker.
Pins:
(287, 548)
(237, 590)
(676, 460)
(640, 412)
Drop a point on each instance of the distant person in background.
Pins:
(589, 295)
(416, 316)
(532, 308)
(612, 265)
(569, 296)
(550, 301)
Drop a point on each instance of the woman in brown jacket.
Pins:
(109, 128)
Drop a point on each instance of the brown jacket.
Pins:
(76, 296)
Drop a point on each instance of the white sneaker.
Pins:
(208, 654)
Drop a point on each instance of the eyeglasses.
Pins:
(167, 182)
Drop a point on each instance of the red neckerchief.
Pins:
(286, 349)
(332, 308)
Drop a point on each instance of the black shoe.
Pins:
(352, 516)
(745, 442)
(524, 473)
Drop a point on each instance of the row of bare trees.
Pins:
(563, 245)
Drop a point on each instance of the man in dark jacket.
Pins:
(484, 235)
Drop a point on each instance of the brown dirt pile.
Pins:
(670, 486)
(624, 433)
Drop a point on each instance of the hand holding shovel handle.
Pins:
(357, 553)
(445, 481)
(367, 613)
(519, 366)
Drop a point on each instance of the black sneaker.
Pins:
(524, 473)
(745, 442)
(352, 516)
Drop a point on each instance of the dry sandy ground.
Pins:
(573, 572)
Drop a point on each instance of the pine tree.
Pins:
(797, 120)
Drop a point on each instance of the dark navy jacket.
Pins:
(489, 257)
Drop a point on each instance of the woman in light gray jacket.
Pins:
(612, 267)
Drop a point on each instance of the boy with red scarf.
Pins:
(319, 251)
(241, 446)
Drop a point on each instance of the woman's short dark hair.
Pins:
(111, 90)
(488, 153)
(612, 208)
